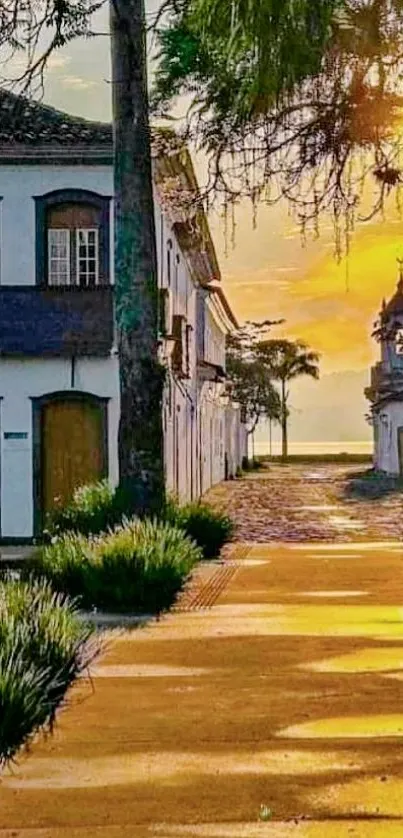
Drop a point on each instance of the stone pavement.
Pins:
(313, 503)
(277, 682)
(14, 556)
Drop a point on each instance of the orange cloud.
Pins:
(331, 306)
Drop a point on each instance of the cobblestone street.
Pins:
(313, 503)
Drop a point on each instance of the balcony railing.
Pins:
(56, 321)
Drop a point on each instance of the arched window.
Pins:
(73, 238)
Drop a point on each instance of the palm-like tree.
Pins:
(288, 360)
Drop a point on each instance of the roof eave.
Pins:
(49, 154)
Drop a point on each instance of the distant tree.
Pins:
(287, 360)
(250, 379)
(251, 386)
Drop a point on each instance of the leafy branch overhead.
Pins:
(31, 31)
(287, 98)
(300, 100)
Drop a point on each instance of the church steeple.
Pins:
(394, 307)
(400, 282)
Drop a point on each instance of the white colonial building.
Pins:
(385, 392)
(59, 369)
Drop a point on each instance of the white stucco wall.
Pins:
(179, 457)
(236, 441)
(389, 420)
(194, 432)
(22, 380)
(18, 187)
(212, 431)
(214, 334)
(180, 404)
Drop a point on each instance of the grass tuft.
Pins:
(98, 508)
(209, 528)
(139, 566)
(93, 509)
(44, 646)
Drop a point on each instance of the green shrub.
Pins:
(43, 648)
(93, 509)
(97, 508)
(209, 528)
(140, 566)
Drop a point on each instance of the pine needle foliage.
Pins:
(241, 56)
(294, 100)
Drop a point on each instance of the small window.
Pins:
(59, 257)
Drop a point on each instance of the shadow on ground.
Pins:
(267, 697)
(371, 485)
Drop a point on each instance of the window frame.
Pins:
(68, 282)
(72, 196)
(87, 230)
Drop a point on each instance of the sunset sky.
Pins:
(269, 273)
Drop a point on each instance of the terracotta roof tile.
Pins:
(24, 121)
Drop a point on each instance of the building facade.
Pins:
(59, 366)
(385, 392)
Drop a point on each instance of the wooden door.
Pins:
(73, 448)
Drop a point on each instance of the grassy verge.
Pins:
(138, 567)
(317, 459)
(44, 646)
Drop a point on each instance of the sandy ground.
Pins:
(269, 703)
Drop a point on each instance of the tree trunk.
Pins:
(136, 279)
(284, 422)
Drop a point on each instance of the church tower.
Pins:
(385, 392)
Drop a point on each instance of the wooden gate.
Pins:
(73, 448)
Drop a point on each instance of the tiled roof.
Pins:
(23, 121)
(31, 131)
